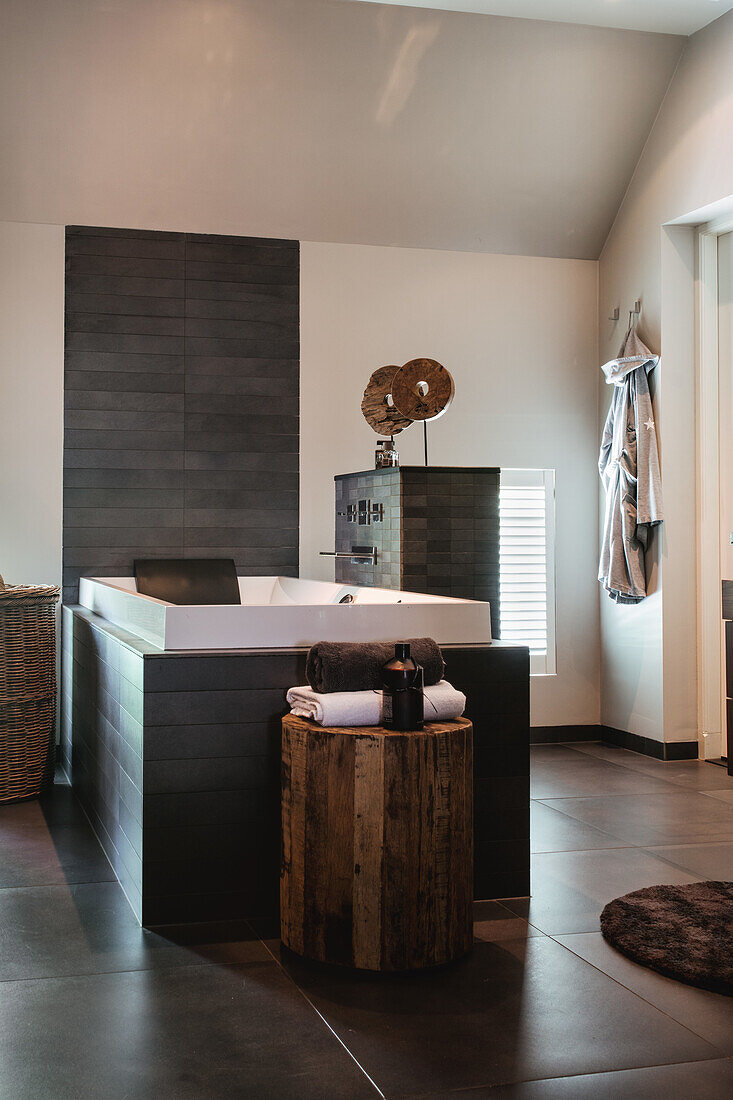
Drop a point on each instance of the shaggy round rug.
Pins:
(684, 932)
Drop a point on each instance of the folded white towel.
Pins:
(364, 708)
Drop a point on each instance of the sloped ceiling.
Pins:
(324, 121)
(662, 16)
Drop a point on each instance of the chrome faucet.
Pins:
(356, 554)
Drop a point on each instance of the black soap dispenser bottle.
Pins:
(402, 683)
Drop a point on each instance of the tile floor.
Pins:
(92, 1006)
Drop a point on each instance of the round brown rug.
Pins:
(684, 932)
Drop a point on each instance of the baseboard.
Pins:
(553, 735)
(647, 746)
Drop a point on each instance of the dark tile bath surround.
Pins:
(176, 760)
(181, 406)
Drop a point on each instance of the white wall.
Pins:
(31, 415)
(648, 654)
(519, 336)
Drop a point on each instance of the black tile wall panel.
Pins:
(181, 391)
(439, 533)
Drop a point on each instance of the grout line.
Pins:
(588, 851)
(67, 885)
(308, 1001)
(468, 1089)
(634, 993)
(200, 963)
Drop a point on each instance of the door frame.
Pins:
(710, 696)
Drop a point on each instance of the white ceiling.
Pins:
(663, 16)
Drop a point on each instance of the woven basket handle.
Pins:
(2, 582)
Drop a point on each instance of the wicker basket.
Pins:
(27, 689)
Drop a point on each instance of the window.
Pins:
(527, 564)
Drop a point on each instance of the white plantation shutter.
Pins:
(526, 564)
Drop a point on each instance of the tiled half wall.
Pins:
(181, 402)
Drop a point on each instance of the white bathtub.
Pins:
(282, 612)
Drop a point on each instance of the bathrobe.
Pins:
(629, 468)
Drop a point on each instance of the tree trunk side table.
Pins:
(377, 844)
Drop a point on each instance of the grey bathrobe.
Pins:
(629, 468)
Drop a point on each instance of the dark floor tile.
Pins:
(34, 855)
(577, 774)
(709, 1080)
(569, 889)
(510, 1011)
(672, 816)
(721, 796)
(553, 831)
(697, 775)
(58, 806)
(494, 923)
(198, 1032)
(52, 931)
(548, 753)
(711, 861)
(709, 1015)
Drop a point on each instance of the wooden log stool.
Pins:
(377, 844)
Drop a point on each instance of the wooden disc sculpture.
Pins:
(376, 405)
(422, 389)
(395, 397)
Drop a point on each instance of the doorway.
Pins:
(725, 436)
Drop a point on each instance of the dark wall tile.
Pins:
(137, 305)
(123, 518)
(200, 270)
(206, 808)
(106, 231)
(124, 287)
(210, 774)
(134, 267)
(276, 328)
(242, 460)
(116, 497)
(129, 343)
(239, 366)
(198, 707)
(284, 535)
(243, 347)
(108, 438)
(243, 251)
(225, 740)
(149, 538)
(145, 314)
(256, 308)
(115, 458)
(124, 420)
(124, 400)
(268, 668)
(114, 381)
(158, 247)
(249, 405)
(268, 424)
(119, 362)
(223, 290)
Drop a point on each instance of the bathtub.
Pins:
(286, 612)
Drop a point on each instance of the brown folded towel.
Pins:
(357, 666)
